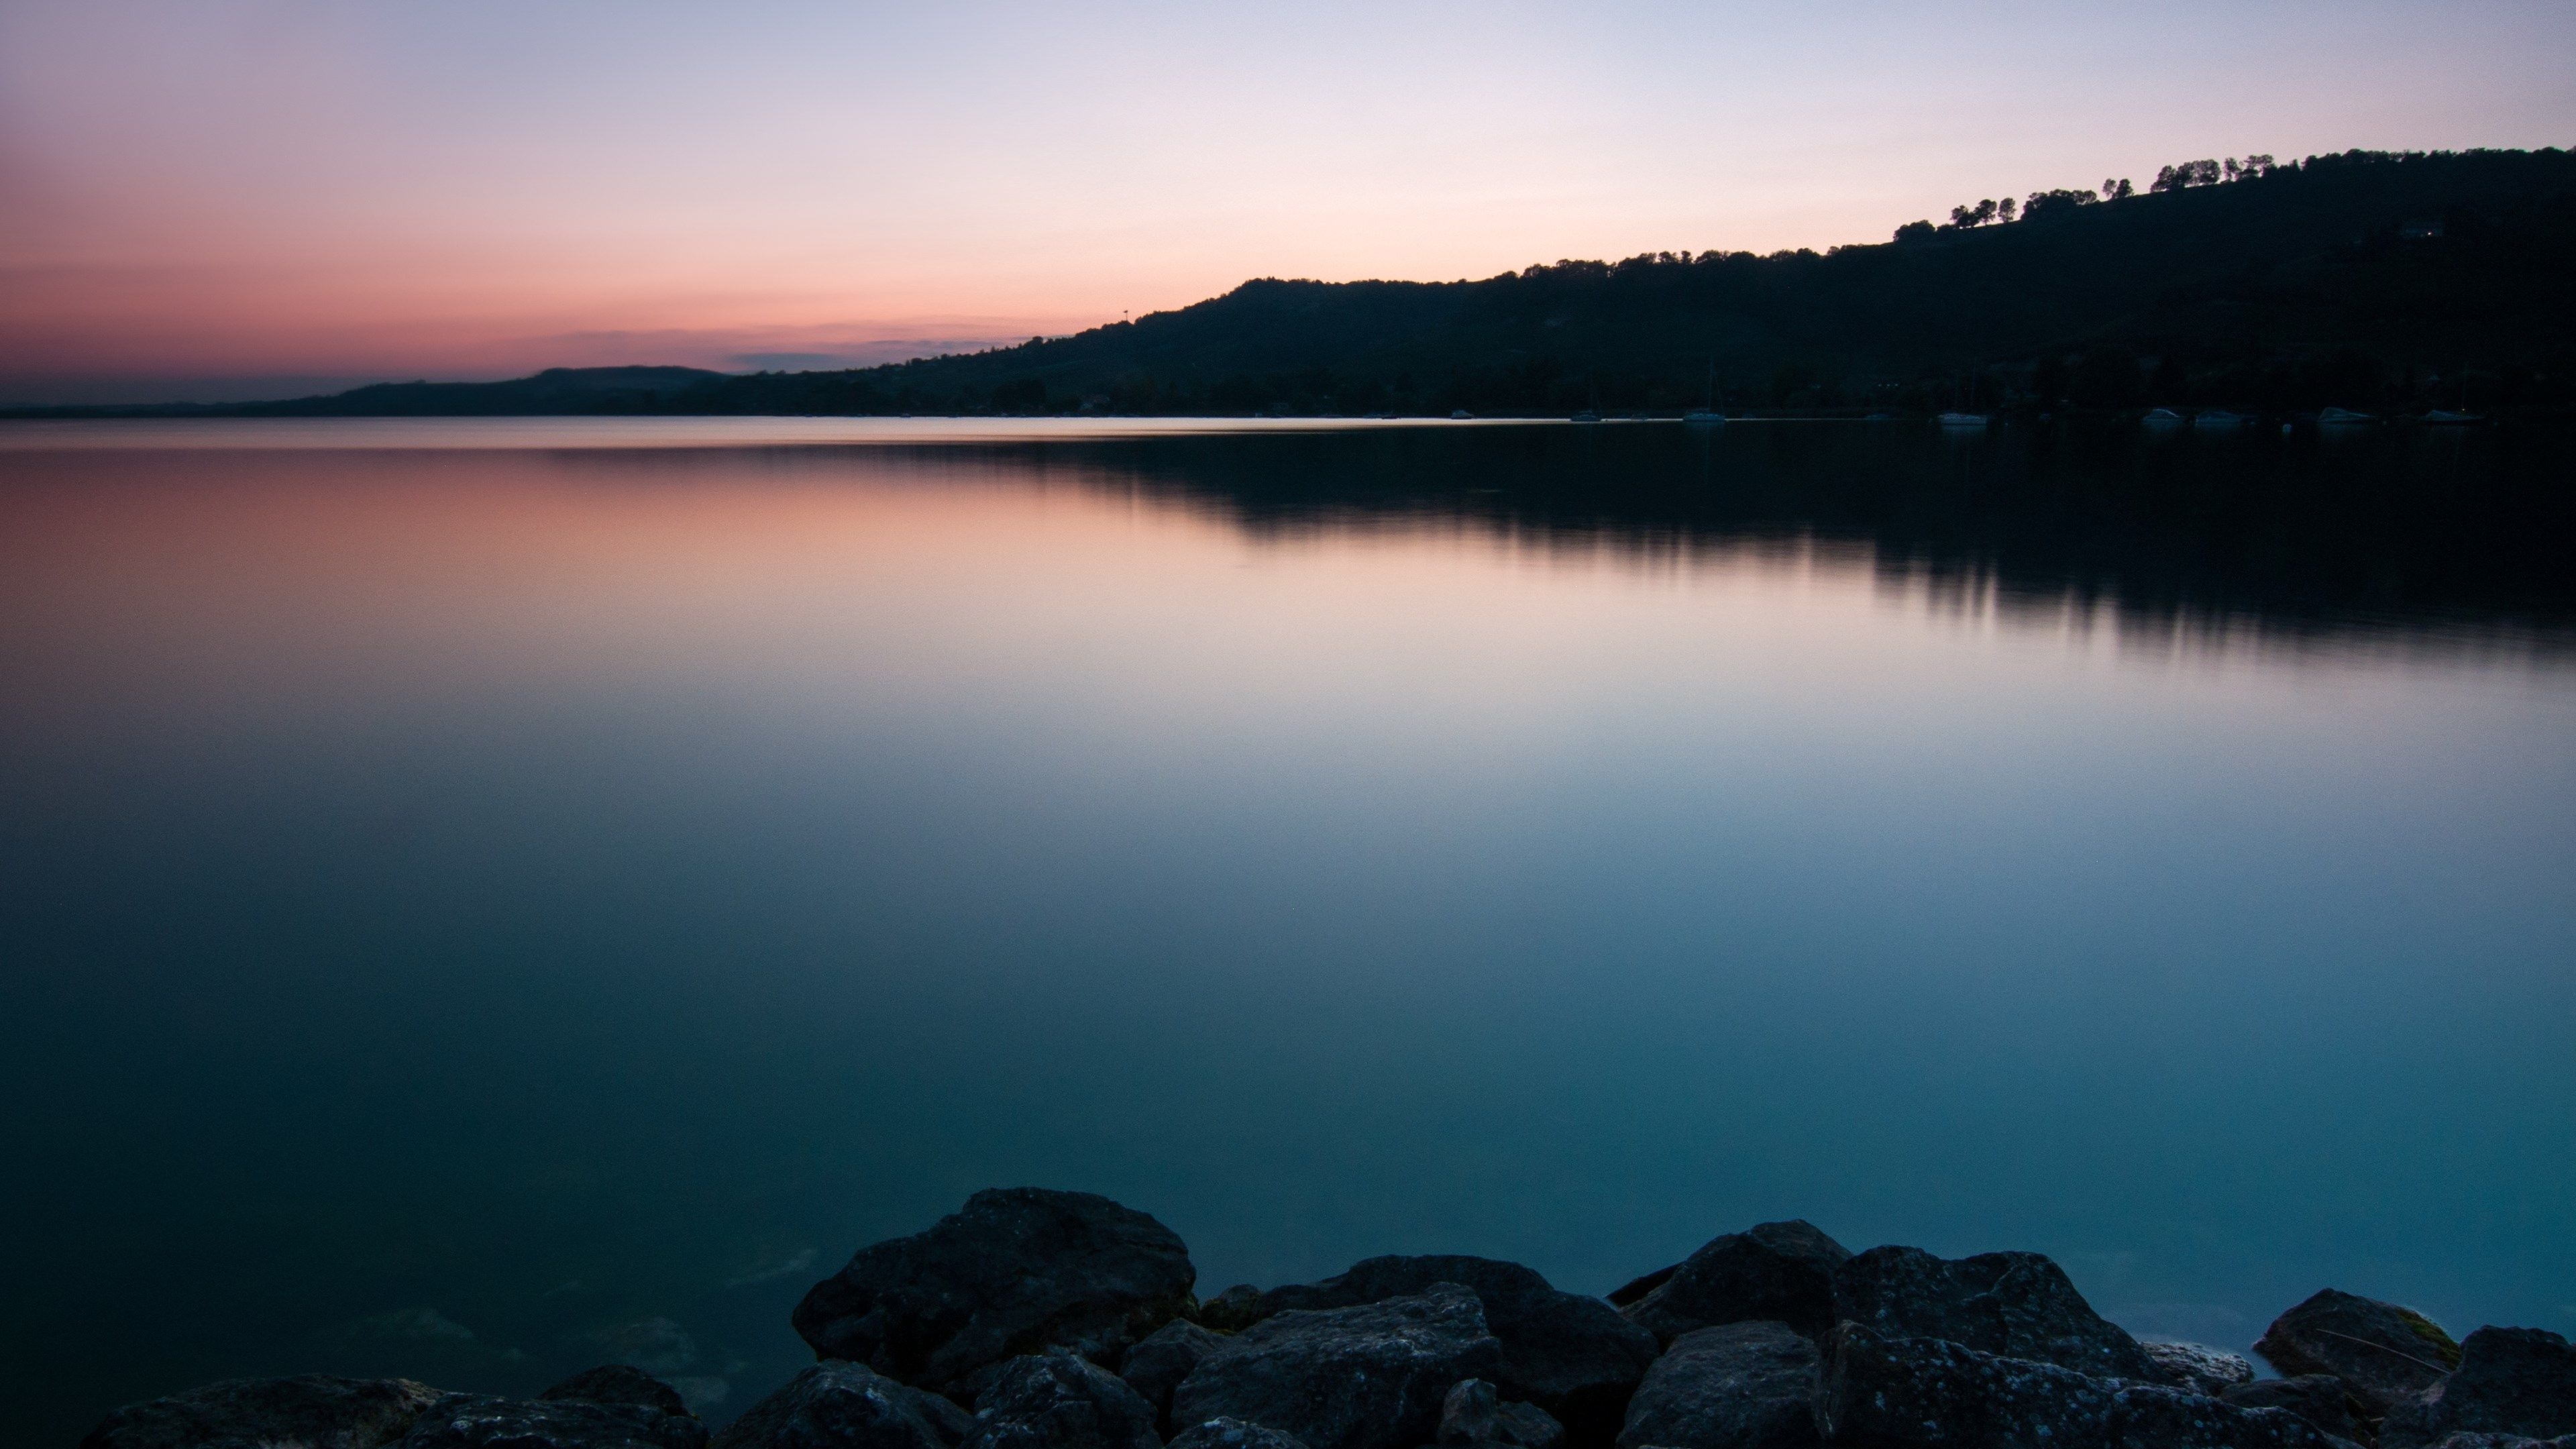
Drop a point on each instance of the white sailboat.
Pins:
(1964, 419)
(1706, 415)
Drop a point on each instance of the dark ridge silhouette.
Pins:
(2368, 280)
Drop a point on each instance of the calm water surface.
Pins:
(477, 899)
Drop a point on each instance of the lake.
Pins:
(479, 899)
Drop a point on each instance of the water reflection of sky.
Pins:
(554, 889)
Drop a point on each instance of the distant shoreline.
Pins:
(2379, 282)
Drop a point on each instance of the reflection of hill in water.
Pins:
(2391, 538)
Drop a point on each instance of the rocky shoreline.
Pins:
(1037, 1319)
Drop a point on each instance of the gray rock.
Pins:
(1735, 1386)
(848, 1406)
(1476, 1413)
(1235, 1434)
(1233, 1310)
(1573, 1356)
(2200, 1368)
(2387, 1354)
(1369, 1377)
(1891, 1393)
(617, 1383)
(2012, 1305)
(2504, 1441)
(1775, 1272)
(2510, 1381)
(1061, 1400)
(1017, 1271)
(1156, 1366)
(311, 1409)
(474, 1421)
(2321, 1399)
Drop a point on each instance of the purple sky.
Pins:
(248, 197)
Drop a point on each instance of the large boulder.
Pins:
(1898, 1393)
(1735, 1386)
(1775, 1272)
(848, 1406)
(618, 1383)
(2321, 1399)
(1017, 1271)
(2387, 1354)
(1061, 1400)
(1235, 1434)
(1369, 1377)
(1156, 1366)
(474, 1421)
(2510, 1381)
(1573, 1356)
(1476, 1414)
(2012, 1305)
(314, 1409)
(2198, 1367)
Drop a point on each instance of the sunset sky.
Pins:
(225, 198)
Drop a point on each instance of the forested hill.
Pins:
(2363, 279)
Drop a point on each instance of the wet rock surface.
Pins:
(1156, 1366)
(2200, 1368)
(1368, 1377)
(1235, 1434)
(2510, 1381)
(2387, 1354)
(1232, 1311)
(619, 1383)
(1476, 1413)
(1774, 1272)
(474, 1421)
(1571, 1355)
(2321, 1399)
(1016, 1271)
(317, 1409)
(1735, 1386)
(2012, 1305)
(848, 1406)
(1882, 1392)
(1060, 1400)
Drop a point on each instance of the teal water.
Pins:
(477, 899)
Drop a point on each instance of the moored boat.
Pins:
(1706, 414)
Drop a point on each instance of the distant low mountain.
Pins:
(555, 390)
(2368, 279)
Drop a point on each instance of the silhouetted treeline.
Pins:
(2376, 281)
